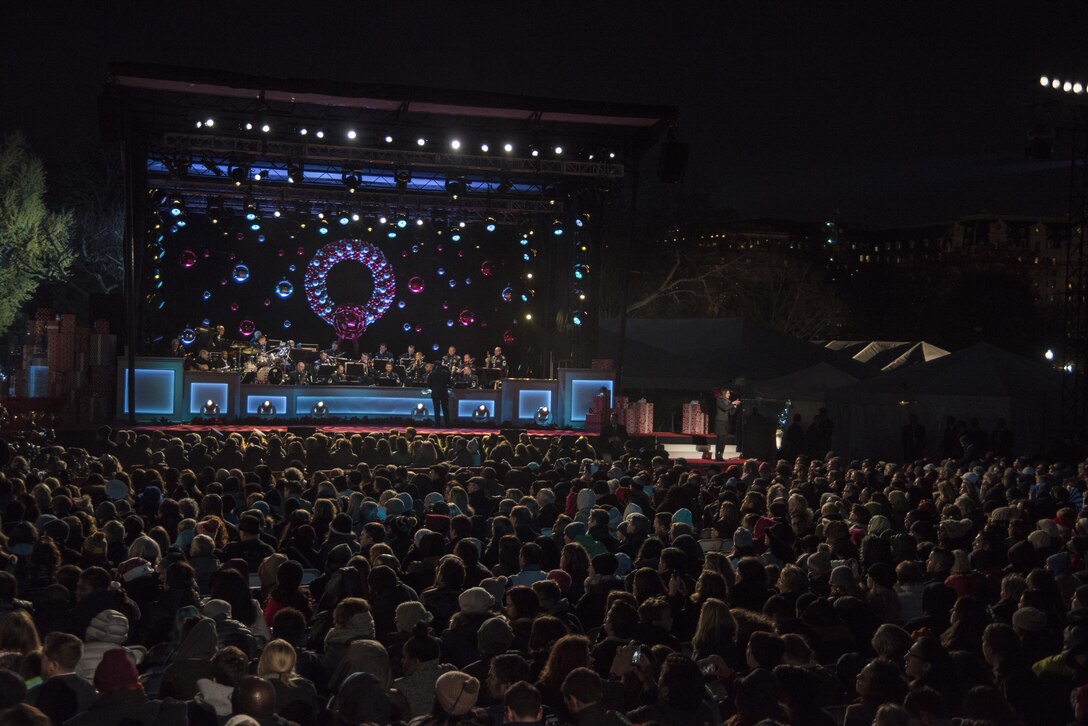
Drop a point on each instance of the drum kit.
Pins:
(266, 367)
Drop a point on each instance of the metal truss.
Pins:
(1075, 302)
(455, 162)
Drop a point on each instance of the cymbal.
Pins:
(250, 351)
(237, 344)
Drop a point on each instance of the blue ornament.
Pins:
(206, 321)
(284, 289)
(401, 304)
(453, 283)
(287, 323)
(435, 347)
(290, 268)
(407, 327)
(260, 238)
(240, 273)
(449, 323)
(207, 295)
(441, 270)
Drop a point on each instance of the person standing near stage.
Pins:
(724, 410)
(438, 380)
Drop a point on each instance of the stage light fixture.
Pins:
(508, 148)
(382, 219)
(543, 415)
(210, 408)
(402, 177)
(480, 413)
(558, 150)
(239, 174)
(490, 224)
(351, 181)
(557, 227)
(612, 155)
(534, 153)
(294, 174)
(455, 187)
(392, 233)
(581, 220)
(177, 207)
(344, 216)
(580, 271)
(388, 139)
(320, 134)
(1049, 354)
(1055, 83)
(577, 318)
(277, 213)
(319, 409)
(528, 316)
(354, 216)
(485, 148)
(421, 141)
(266, 409)
(455, 144)
(419, 222)
(1067, 86)
(252, 212)
(352, 134)
(1044, 81)
(401, 221)
(200, 124)
(249, 126)
(258, 175)
(1078, 88)
(420, 411)
(303, 131)
(323, 227)
(266, 128)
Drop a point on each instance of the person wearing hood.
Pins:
(122, 700)
(352, 620)
(107, 631)
(422, 669)
(192, 661)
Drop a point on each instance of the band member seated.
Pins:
(177, 350)
(201, 361)
(465, 373)
(299, 376)
(416, 369)
(218, 361)
(323, 366)
(408, 358)
(334, 349)
(451, 360)
(383, 353)
(497, 360)
(261, 343)
(367, 364)
(338, 375)
(387, 376)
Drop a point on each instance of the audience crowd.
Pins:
(268, 578)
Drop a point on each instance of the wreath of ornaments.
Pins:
(350, 320)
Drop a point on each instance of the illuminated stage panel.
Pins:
(340, 404)
(201, 393)
(278, 402)
(582, 393)
(530, 400)
(466, 406)
(155, 391)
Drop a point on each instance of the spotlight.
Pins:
(209, 122)
(455, 187)
(534, 153)
(1055, 83)
(1049, 354)
(323, 227)
(419, 222)
(420, 411)
(528, 316)
(1044, 81)
(210, 408)
(402, 220)
(455, 144)
(239, 174)
(577, 318)
(543, 415)
(421, 141)
(391, 234)
(266, 409)
(177, 207)
(266, 128)
(1078, 88)
(252, 213)
(344, 216)
(480, 413)
(580, 271)
(455, 233)
(352, 134)
(351, 181)
(508, 148)
(382, 219)
(557, 227)
(485, 148)
(388, 139)
(581, 220)
(354, 216)
(490, 224)
(319, 409)
(320, 134)
(303, 131)
(294, 173)
(258, 175)
(402, 177)
(558, 150)
(249, 126)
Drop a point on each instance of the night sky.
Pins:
(891, 114)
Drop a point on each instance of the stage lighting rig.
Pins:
(294, 174)
(480, 414)
(319, 410)
(351, 181)
(239, 174)
(543, 415)
(557, 227)
(402, 177)
(266, 409)
(210, 409)
(455, 187)
(420, 411)
(490, 223)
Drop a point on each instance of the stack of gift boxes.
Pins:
(639, 418)
(597, 414)
(693, 420)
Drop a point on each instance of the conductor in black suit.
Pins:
(438, 380)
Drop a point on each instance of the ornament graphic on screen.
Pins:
(287, 323)
(350, 320)
(240, 273)
(466, 318)
(453, 283)
(508, 294)
(207, 295)
(188, 336)
(487, 268)
(508, 338)
(284, 289)
(449, 323)
(415, 249)
(267, 302)
(239, 236)
(441, 270)
(468, 280)
(187, 259)
(247, 328)
(234, 307)
(291, 268)
(407, 327)
(401, 304)
(223, 282)
(415, 284)
(260, 238)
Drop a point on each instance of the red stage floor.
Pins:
(231, 428)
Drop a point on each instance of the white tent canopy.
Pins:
(887, 355)
(983, 382)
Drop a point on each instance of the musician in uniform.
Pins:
(334, 349)
(408, 358)
(219, 341)
(451, 360)
(383, 353)
(261, 343)
(498, 361)
(177, 350)
(387, 376)
(416, 369)
(218, 361)
(338, 375)
(324, 365)
(465, 372)
(368, 366)
(299, 376)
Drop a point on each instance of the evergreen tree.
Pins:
(34, 242)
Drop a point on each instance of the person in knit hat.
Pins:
(455, 694)
(122, 698)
